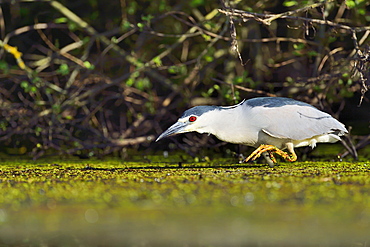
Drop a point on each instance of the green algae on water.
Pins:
(319, 203)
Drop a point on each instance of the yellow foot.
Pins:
(271, 149)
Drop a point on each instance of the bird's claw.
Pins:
(257, 153)
(271, 149)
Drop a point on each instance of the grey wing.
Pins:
(297, 122)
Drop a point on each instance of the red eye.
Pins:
(192, 118)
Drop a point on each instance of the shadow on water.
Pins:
(160, 166)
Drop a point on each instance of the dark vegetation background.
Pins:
(102, 77)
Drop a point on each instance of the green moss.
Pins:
(296, 202)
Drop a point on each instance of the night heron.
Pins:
(270, 124)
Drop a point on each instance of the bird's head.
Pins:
(196, 119)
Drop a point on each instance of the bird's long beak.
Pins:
(177, 128)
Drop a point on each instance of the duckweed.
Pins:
(201, 204)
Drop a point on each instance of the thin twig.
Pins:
(248, 15)
(249, 90)
(234, 42)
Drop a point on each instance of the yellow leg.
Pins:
(272, 149)
(272, 157)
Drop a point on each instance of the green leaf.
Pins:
(208, 58)
(130, 82)
(72, 26)
(140, 26)
(132, 7)
(38, 130)
(290, 3)
(33, 89)
(86, 40)
(351, 4)
(173, 69)
(206, 37)
(196, 3)
(125, 25)
(63, 69)
(61, 20)
(312, 53)
(157, 60)
(298, 46)
(142, 84)
(24, 84)
(88, 65)
(238, 79)
(361, 11)
(36, 80)
(114, 39)
(162, 5)
(147, 18)
(135, 74)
